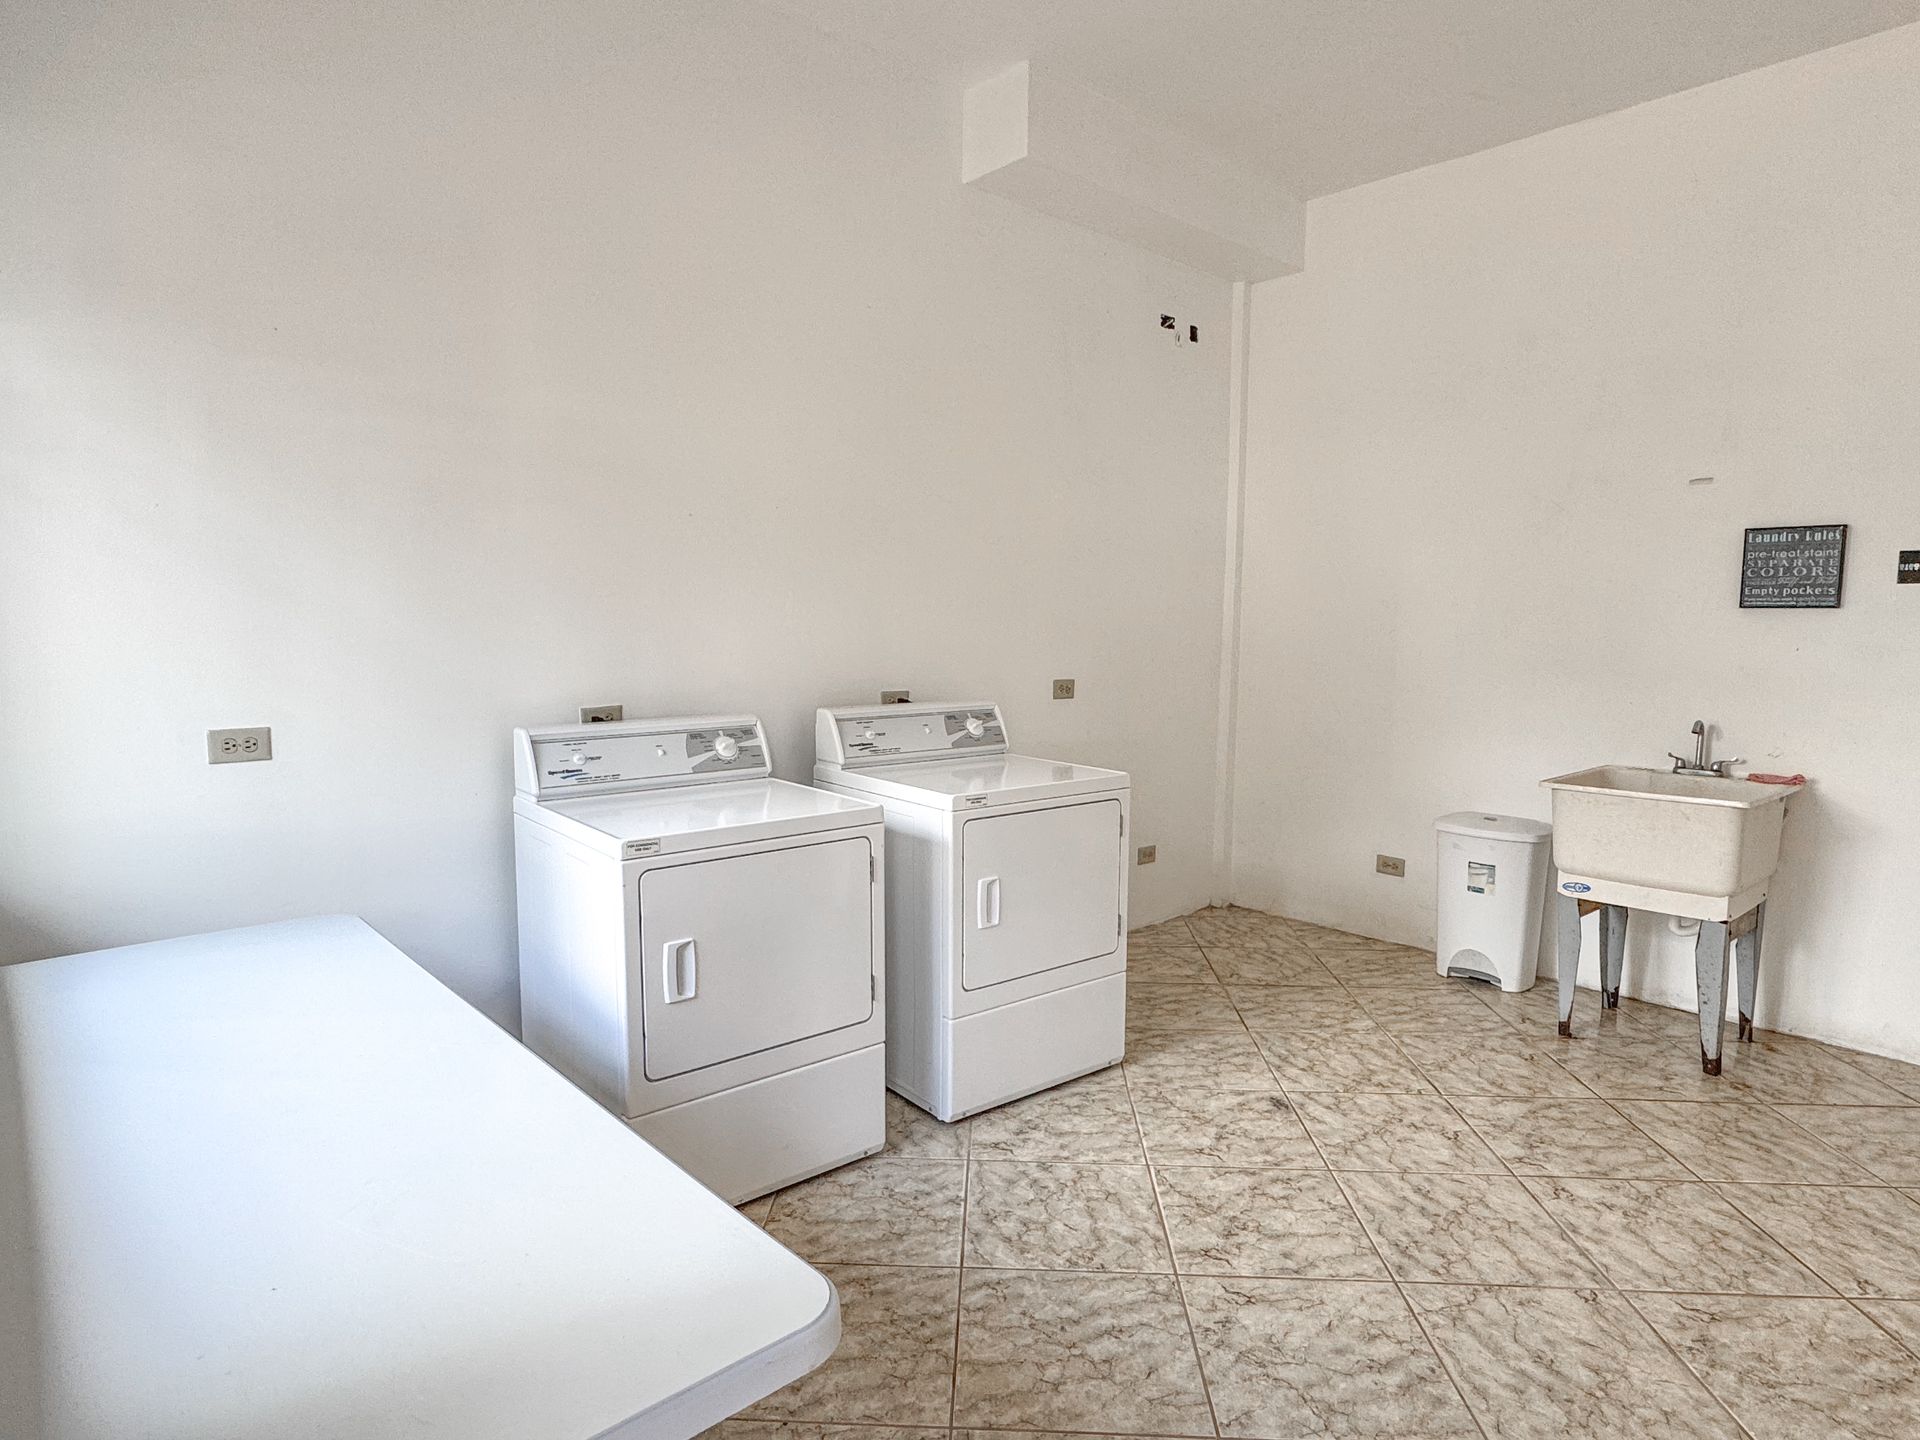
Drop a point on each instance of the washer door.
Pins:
(745, 953)
(1038, 889)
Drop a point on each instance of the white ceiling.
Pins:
(1328, 94)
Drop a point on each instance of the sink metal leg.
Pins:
(1613, 953)
(1747, 935)
(1710, 973)
(1567, 955)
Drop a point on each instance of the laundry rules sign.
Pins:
(1793, 567)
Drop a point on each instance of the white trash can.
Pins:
(1492, 887)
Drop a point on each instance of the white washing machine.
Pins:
(701, 946)
(1006, 906)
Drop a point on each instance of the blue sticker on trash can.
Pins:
(1576, 887)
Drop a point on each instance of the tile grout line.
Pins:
(1685, 1364)
(1400, 1289)
(1392, 1279)
(1615, 1105)
(1874, 1320)
(1781, 1111)
(1587, 1095)
(1742, 1101)
(1666, 1150)
(1633, 1004)
(1606, 1278)
(1772, 1106)
(966, 1197)
(1173, 1255)
(1607, 1282)
(1555, 1174)
(1830, 1297)
(1872, 1181)
(1581, 1250)
(1598, 1265)
(1719, 1188)
(960, 1277)
(1860, 1165)
(1445, 1099)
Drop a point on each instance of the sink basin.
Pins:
(1695, 834)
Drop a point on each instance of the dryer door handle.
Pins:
(987, 903)
(680, 968)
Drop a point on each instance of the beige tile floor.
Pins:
(1331, 1194)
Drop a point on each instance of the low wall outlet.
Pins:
(1390, 865)
(896, 697)
(600, 714)
(236, 747)
(1146, 854)
(1063, 689)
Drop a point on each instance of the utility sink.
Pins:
(1703, 835)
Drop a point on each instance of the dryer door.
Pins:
(1039, 889)
(742, 954)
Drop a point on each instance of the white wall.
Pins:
(395, 374)
(1473, 559)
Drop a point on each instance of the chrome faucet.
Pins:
(1700, 765)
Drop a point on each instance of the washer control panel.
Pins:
(642, 755)
(853, 736)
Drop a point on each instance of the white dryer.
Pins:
(701, 945)
(1006, 906)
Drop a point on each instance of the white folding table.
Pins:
(280, 1182)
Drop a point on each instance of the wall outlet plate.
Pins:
(1146, 855)
(236, 747)
(600, 714)
(896, 697)
(1390, 865)
(1063, 689)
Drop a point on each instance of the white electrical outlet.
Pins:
(233, 747)
(1146, 855)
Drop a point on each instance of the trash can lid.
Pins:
(1494, 827)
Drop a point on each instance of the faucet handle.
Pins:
(1680, 762)
(1720, 767)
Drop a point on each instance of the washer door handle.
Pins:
(680, 968)
(987, 903)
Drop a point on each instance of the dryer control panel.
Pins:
(854, 736)
(639, 755)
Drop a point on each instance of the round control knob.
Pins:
(976, 727)
(726, 747)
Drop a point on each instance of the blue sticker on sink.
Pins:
(1576, 887)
